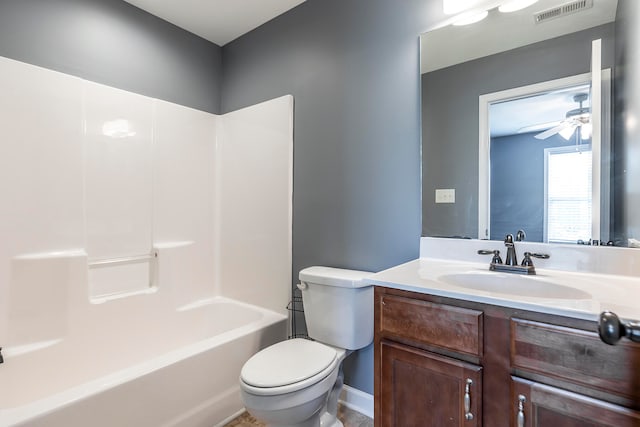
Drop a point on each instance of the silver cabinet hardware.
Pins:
(467, 400)
(520, 419)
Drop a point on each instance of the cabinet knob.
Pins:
(520, 417)
(467, 400)
(611, 329)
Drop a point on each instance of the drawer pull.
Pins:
(520, 419)
(467, 400)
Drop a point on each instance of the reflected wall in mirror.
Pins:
(509, 51)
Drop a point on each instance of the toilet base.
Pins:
(325, 405)
(329, 420)
(329, 417)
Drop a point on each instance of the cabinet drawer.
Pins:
(576, 356)
(435, 325)
(543, 406)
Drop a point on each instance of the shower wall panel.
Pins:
(119, 210)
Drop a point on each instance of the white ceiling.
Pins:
(219, 21)
(543, 111)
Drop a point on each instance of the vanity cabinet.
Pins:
(447, 362)
(422, 380)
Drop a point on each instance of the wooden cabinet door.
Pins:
(539, 405)
(422, 389)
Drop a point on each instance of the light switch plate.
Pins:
(447, 195)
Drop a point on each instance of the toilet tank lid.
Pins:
(330, 276)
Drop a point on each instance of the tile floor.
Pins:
(348, 417)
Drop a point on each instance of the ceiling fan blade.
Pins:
(539, 127)
(554, 130)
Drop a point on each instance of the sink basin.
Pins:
(512, 284)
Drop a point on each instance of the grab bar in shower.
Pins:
(110, 262)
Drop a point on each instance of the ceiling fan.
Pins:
(577, 118)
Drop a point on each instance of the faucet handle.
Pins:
(496, 255)
(486, 252)
(527, 262)
(541, 256)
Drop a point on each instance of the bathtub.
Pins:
(184, 373)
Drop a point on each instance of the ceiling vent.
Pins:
(562, 10)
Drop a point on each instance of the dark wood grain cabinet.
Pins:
(445, 362)
(425, 386)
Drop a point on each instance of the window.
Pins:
(568, 194)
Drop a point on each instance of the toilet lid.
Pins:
(287, 362)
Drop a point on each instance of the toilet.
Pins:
(297, 383)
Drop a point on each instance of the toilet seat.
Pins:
(288, 366)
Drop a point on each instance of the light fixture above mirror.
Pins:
(454, 7)
(471, 11)
(515, 5)
(469, 18)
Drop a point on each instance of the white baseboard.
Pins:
(357, 400)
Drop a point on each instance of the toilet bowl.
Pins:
(289, 383)
(296, 383)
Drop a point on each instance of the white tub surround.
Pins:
(125, 221)
(577, 281)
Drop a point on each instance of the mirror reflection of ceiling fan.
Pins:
(579, 118)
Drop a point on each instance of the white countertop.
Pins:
(597, 292)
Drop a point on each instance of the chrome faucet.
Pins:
(511, 258)
(511, 262)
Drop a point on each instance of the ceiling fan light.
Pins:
(470, 18)
(586, 130)
(515, 5)
(567, 132)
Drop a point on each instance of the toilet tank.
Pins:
(338, 306)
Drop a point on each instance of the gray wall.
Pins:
(627, 110)
(353, 69)
(450, 145)
(113, 43)
(517, 184)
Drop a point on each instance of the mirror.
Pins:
(505, 60)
